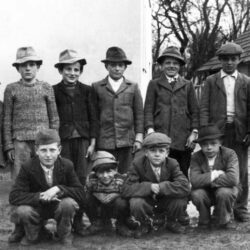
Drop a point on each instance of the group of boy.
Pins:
(108, 118)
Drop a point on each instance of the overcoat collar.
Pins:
(62, 88)
(163, 81)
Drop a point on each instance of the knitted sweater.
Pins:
(28, 109)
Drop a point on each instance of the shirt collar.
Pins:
(112, 81)
(45, 169)
(224, 74)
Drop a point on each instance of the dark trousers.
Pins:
(222, 199)
(75, 149)
(241, 151)
(118, 209)
(32, 218)
(183, 158)
(144, 208)
(124, 156)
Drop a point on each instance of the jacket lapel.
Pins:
(149, 173)
(164, 171)
(238, 85)
(179, 84)
(58, 172)
(163, 81)
(220, 83)
(107, 85)
(123, 86)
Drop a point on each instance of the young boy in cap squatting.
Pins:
(120, 110)
(104, 192)
(226, 102)
(155, 185)
(46, 187)
(214, 175)
(29, 106)
(78, 119)
(171, 108)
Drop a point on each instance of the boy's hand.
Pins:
(155, 188)
(150, 130)
(136, 147)
(50, 194)
(11, 155)
(90, 151)
(190, 144)
(246, 140)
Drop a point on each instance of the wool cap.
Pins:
(209, 132)
(26, 54)
(229, 49)
(47, 136)
(116, 54)
(156, 139)
(103, 159)
(173, 52)
(70, 56)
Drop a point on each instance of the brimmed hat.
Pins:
(229, 49)
(173, 52)
(209, 132)
(26, 54)
(156, 139)
(116, 54)
(103, 159)
(70, 56)
(47, 136)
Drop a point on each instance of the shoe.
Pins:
(184, 220)
(242, 217)
(175, 227)
(229, 225)
(17, 234)
(132, 222)
(94, 228)
(27, 242)
(142, 230)
(123, 230)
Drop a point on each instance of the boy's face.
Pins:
(229, 63)
(28, 70)
(157, 155)
(48, 154)
(171, 66)
(71, 73)
(210, 147)
(116, 69)
(106, 176)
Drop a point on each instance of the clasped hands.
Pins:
(50, 195)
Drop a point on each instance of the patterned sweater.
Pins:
(28, 109)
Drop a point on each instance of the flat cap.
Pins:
(229, 49)
(47, 136)
(156, 139)
(102, 159)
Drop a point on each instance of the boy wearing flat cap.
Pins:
(104, 192)
(226, 102)
(120, 110)
(155, 185)
(214, 175)
(171, 108)
(46, 187)
(29, 106)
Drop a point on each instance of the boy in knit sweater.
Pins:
(29, 106)
(104, 195)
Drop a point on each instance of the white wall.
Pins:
(88, 26)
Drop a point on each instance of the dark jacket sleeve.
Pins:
(20, 193)
(178, 186)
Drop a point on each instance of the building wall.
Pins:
(88, 26)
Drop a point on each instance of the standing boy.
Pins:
(120, 110)
(214, 175)
(226, 102)
(29, 106)
(171, 108)
(155, 185)
(46, 187)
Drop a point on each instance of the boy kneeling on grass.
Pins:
(104, 199)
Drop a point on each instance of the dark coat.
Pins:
(173, 183)
(213, 107)
(78, 112)
(31, 182)
(120, 114)
(200, 173)
(173, 112)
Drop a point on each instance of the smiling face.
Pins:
(157, 155)
(48, 154)
(106, 176)
(116, 69)
(229, 63)
(71, 72)
(170, 66)
(28, 70)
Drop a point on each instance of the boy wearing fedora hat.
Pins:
(46, 187)
(155, 185)
(120, 110)
(29, 106)
(171, 107)
(104, 193)
(226, 102)
(214, 175)
(78, 118)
